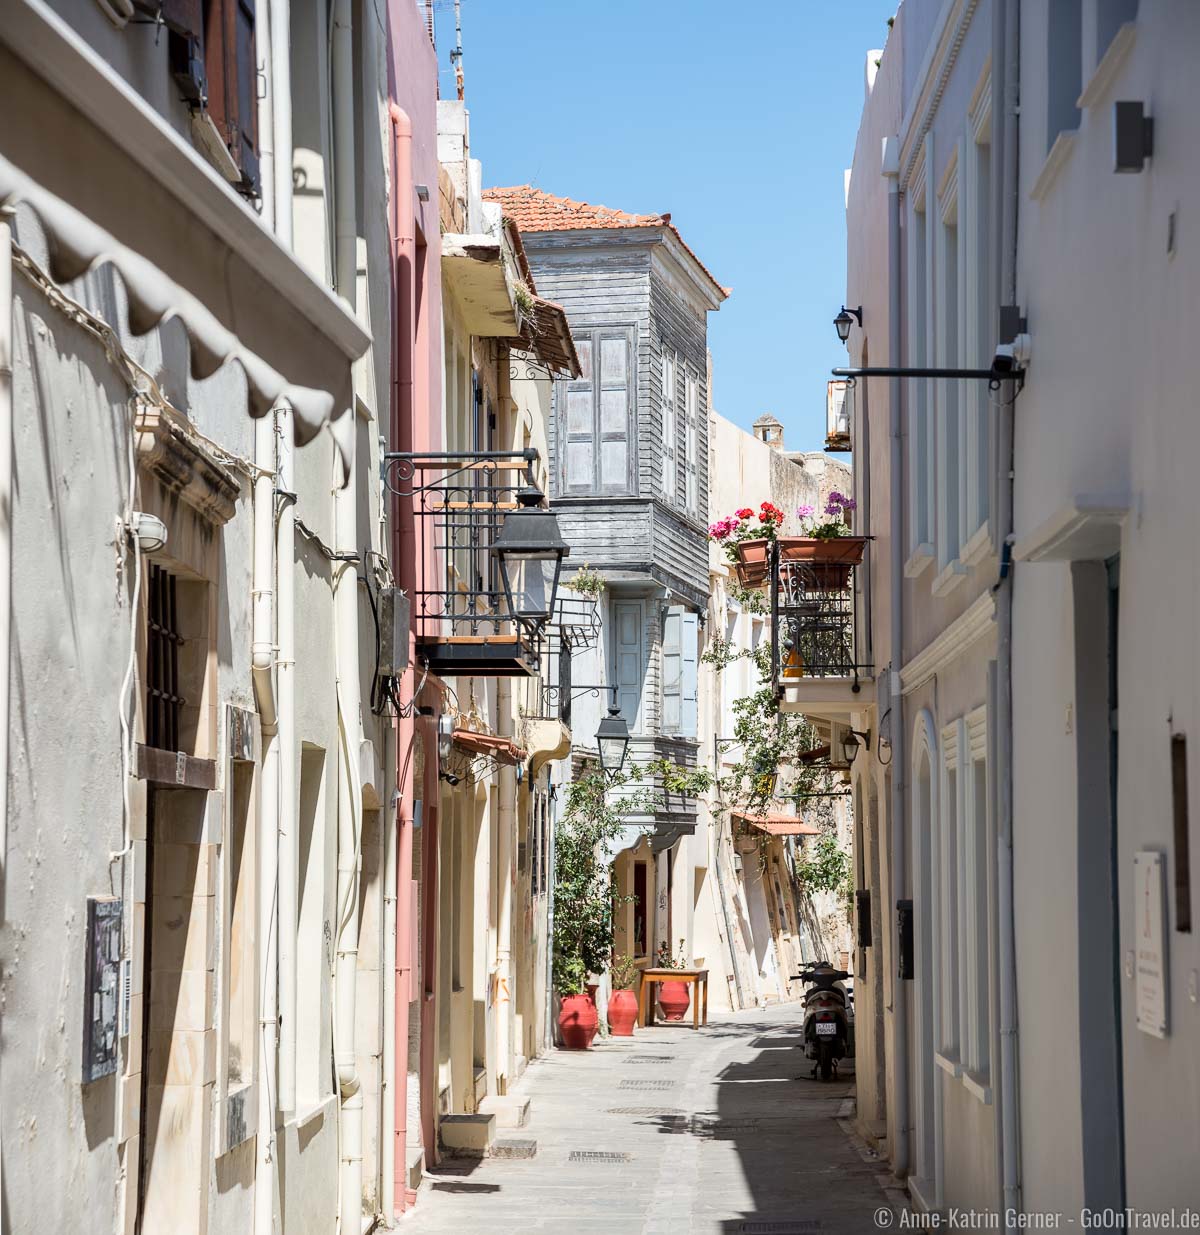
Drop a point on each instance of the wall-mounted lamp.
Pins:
(445, 730)
(149, 531)
(1133, 136)
(422, 192)
(852, 741)
(845, 319)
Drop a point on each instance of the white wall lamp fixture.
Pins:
(149, 531)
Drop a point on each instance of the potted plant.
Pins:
(623, 1001)
(578, 1020)
(746, 540)
(587, 582)
(827, 546)
(673, 997)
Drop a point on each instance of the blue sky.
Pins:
(738, 119)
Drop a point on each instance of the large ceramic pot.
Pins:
(674, 998)
(578, 1022)
(622, 1013)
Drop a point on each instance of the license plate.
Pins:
(826, 1029)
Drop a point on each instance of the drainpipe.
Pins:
(263, 670)
(349, 688)
(404, 564)
(899, 837)
(387, 1089)
(285, 558)
(724, 896)
(6, 488)
(1006, 66)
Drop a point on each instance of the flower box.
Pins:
(754, 562)
(828, 561)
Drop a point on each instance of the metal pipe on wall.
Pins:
(899, 830)
(6, 492)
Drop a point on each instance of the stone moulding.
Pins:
(170, 450)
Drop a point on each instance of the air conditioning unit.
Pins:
(395, 621)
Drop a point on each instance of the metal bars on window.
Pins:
(163, 641)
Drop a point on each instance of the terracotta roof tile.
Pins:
(534, 210)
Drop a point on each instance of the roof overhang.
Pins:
(503, 750)
(774, 824)
(547, 335)
(476, 272)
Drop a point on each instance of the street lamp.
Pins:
(612, 741)
(844, 320)
(764, 779)
(529, 551)
(852, 741)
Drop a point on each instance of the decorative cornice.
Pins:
(965, 630)
(171, 452)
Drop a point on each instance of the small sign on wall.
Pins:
(1150, 959)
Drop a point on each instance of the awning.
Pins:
(76, 246)
(546, 334)
(503, 750)
(774, 824)
(474, 269)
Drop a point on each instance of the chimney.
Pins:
(767, 429)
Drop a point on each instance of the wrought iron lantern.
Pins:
(612, 741)
(529, 552)
(852, 741)
(764, 779)
(845, 319)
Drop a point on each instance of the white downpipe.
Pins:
(504, 855)
(280, 35)
(387, 1089)
(349, 691)
(263, 669)
(6, 473)
(901, 1159)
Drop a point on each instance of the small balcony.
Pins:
(467, 615)
(816, 587)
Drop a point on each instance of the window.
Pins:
(979, 331)
(947, 930)
(1111, 15)
(679, 672)
(164, 702)
(596, 419)
(922, 493)
(211, 49)
(639, 909)
(692, 446)
(1064, 48)
(670, 429)
(948, 395)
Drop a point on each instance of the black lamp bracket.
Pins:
(995, 378)
(398, 468)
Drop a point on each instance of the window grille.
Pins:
(163, 700)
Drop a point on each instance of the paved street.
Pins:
(721, 1132)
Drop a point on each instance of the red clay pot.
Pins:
(578, 1022)
(622, 1013)
(674, 998)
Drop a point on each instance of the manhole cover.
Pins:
(654, 1083)
(650, 1058)
(644, 1110)
(597, 1155)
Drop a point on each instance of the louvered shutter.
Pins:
(689, 643)
(672, 671)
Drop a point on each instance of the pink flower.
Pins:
(806, 511)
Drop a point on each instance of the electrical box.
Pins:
(395, 621)
(101, 987)
(862, 905)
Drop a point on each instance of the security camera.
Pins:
(1012, 357)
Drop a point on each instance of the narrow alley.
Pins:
(721, 1131)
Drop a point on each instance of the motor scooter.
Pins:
(826, 1018)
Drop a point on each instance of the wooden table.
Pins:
(697, 979)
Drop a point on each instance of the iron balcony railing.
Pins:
(815, 610)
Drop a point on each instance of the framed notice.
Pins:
(1150, 958)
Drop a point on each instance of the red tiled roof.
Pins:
(534, 210)
(778, 824)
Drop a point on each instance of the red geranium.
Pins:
(745, 513)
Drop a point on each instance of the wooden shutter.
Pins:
(669, 433)
(672, 671)
(692, 478)
(614, 431)
(629, 668)
(689, 652)
(578, 466)
(232, 70)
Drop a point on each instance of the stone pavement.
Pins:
(717, 1132)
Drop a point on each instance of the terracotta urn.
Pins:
(674, 999)
(622, 1013)
(578, 1022)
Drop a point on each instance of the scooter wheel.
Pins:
(825, 1062)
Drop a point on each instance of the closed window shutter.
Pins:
(672, 671)
(689, 642)
(668, 425)
(615, 434)
(693, 444)
(232, 72)
(578, 421)
(629, 670)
